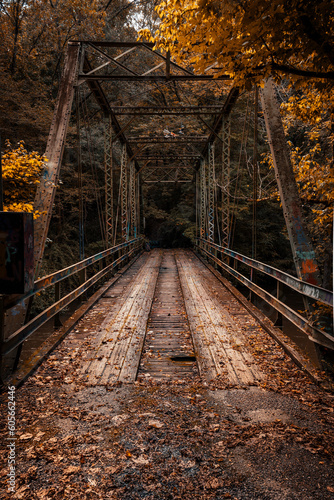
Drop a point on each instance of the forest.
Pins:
(243, 40)
(134, 367)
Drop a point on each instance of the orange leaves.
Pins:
(21, 172)
(248, 38)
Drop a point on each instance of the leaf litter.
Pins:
(173, 439)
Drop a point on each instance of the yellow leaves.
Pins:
(21, 172)
(256, 41)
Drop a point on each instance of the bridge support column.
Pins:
(197, 196)
(211, 187)
(303, 254)
(225, 192)
(108, 171)
(133, 201)
(202, 200)
(124, 196)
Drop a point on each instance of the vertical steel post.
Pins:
(303, 254)
(203, 200)
(57, 321)
(108, 172)
(211, 187)
(226, 156)
(133, 229)
(138, 202)
(46, 190)
(124, 195)
(1, 181)
(81, 208)
(197, 234)
(255, 172)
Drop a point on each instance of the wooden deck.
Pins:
(168, 317)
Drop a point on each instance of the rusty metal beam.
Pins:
(166, 110)
(179, 139)
(225, 111)
(152, 78)
(174, 158)
(303, 253)
(172, 167)
(104, 43)
(46, 190)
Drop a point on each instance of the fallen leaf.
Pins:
(26, 437)
(140, 460)
(71, 470)
(155, 423)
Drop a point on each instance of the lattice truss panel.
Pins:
(155, 109)
(225, 176)
(108, 169)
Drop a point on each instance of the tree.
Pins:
(251, 40)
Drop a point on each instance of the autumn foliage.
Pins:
(21, 173)
(250, 40)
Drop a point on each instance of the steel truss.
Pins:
(167, 110)
(179, 139)
(167, 174)
(165, 67)
(133, 201)
(79, 70)
(203, 198)
(211, 189)
(225, 180)
(108, 171)
(303, 253)
(124, 195)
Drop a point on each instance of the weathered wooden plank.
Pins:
(206, 364)
(119, 333)
(110, 308)
(213, 327)
(133, 347)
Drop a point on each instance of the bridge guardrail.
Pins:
(312, 291)
(18, 337)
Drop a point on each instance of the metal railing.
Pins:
(212, 250)
(125, 251)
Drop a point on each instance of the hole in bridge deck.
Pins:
(189, 359)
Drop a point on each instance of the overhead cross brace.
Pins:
(166, 110)
(177, 139)
(169, 158)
